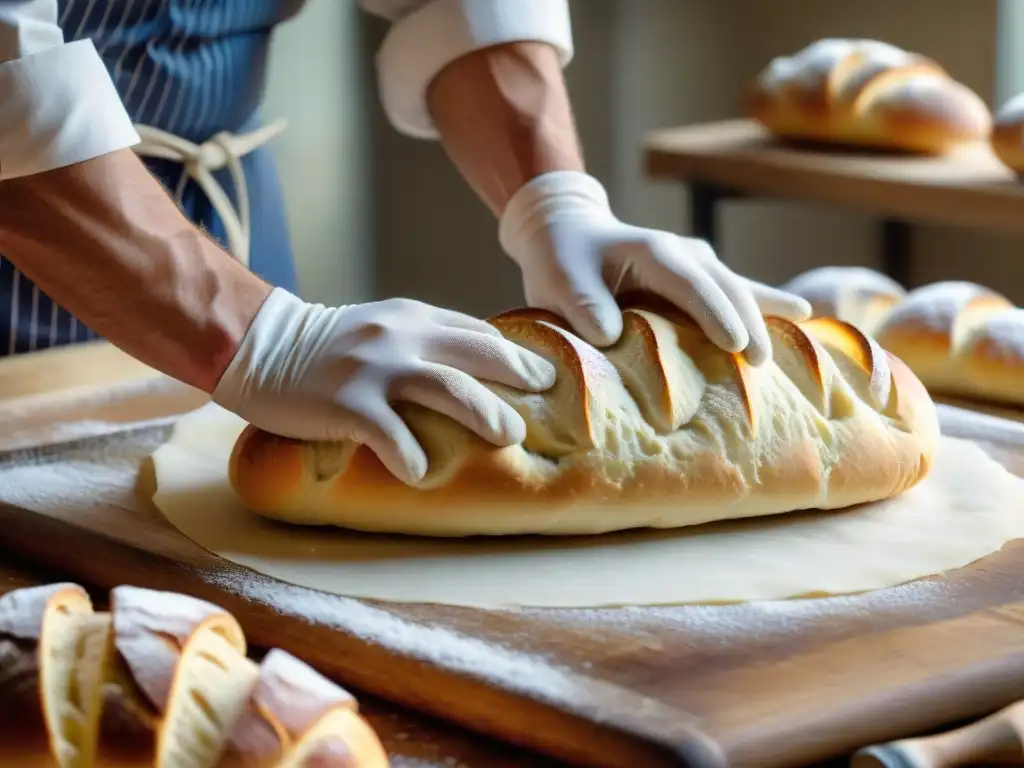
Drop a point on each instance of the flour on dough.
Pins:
(967, 508)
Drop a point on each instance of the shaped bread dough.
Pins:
(661, 430)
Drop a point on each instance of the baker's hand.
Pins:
(311, 372)
(575, 256)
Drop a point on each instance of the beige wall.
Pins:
(640, 64)
(319, 80)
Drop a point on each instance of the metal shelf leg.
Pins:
(704, 200)
(896, 250)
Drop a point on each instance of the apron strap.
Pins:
(224, 150)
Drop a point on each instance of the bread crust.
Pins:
(960, 338)
(662, 430)
(869, 94)
(856, 295)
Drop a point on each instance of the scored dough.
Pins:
(967, 508)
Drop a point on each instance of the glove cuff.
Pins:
(536, 202)
(263, 356)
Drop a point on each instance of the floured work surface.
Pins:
(758, 684)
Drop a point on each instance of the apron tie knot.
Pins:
(200, 161)
(211, 155)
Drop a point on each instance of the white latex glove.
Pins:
(311, 372)
(575, 256)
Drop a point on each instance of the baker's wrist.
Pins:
(206, 314)
(504, 117)
(543, 197)
(241, 328)
(281, 342)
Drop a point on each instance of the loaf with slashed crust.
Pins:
(161, 679)
(867, 93)
(960, 338)
(661, 430)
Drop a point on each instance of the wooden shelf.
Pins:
(970, 187)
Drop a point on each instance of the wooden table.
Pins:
(738, 158)
(413, 740)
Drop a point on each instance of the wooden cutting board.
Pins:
(92, 366)
(773, 684)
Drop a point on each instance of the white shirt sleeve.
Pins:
(427, 35)
(58, 103)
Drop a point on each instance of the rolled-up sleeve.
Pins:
(427, 35)
(58, 103)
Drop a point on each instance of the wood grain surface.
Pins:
(782, 683)
(90, 366)
(970, 187)
(411, 739)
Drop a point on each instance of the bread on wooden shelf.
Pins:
(855, 295)
(174, 670)
(960, 338)
(1007, 137)
(661, 430)
(867, 93)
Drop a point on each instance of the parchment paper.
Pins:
(968, 507)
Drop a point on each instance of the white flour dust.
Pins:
(529, 675)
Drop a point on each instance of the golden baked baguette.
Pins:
(661, 430)
(176, 668)
(867, 93)
(959, 338)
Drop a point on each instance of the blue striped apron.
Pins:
(190, 69)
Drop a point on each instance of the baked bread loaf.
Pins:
(163, 679)
(867, 93)
(855, 295)
(1007, 137)
(661, 430)
(961, 339)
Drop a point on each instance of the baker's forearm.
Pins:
(104, 240)
(504, 117)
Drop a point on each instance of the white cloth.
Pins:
(58, 104)
(330, 373)
(576, 256)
